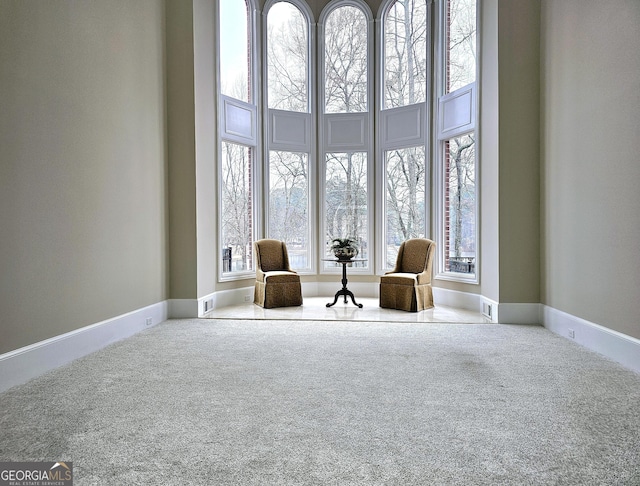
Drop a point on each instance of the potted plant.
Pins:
(344, 248)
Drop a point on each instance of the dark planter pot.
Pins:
(345, 253)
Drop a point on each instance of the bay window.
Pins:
(303, 161)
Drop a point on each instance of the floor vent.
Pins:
(487, 310)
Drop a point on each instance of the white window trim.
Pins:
(383, 144)
(255, 143)
(462, 105)
(440, 137)
(248, 137)
(308, 118)
(440, 273)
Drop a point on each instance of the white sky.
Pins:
(233, 30)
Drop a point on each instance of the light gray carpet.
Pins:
(221, 402)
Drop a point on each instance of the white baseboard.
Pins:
(614, 345)
(455, 298)
(23, 364)
(225, 298)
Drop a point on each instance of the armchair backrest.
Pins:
(415, 256)
(271, 255)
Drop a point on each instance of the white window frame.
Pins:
(457, 114)
(303, 140)
(251, 138)
(417, 120)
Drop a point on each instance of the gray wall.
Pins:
(591, 160)
(83, 206)
(181, 150)
(519, 150)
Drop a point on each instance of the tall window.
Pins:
(458, 199)
(237, 135)
(403, 137)
(346, 121)
(289, 131)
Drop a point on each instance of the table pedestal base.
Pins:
(346, 293)
(344, 290)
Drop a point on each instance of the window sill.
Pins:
(458, 277)
(230, 277)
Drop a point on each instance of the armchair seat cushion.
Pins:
(278, 276)
(409, 279)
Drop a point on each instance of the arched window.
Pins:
(403, 134)
(289, 131)
(287, 57)
(238, 149)
(346, 126)
(406, 40)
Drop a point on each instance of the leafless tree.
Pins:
(287, 58)
(346, 195)
(345, 61)
(236, 200)
(405, 38)
(461, 39)
(288, 196)
(405, 181)
(461, 159)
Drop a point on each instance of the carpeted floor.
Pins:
(254, 402)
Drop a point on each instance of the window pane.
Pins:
(460, 204)
(346, 201)
(234, 50)
(236, 210)
(345, 61)
(289, 205)
(287, 58)
(405, 53)
(461, 44)
(405, 198)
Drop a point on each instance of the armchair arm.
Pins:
(424, 277)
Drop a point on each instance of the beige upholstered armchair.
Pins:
(276, 284)
(408, 286)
